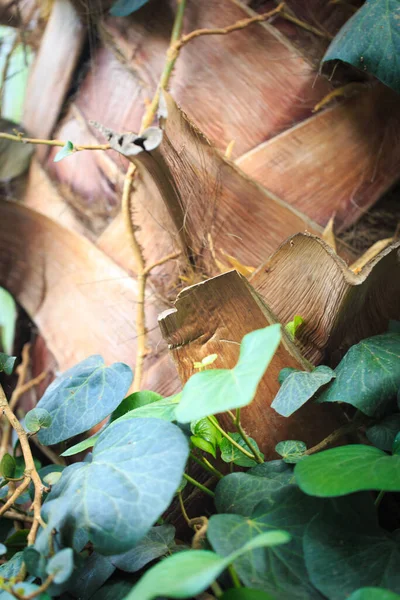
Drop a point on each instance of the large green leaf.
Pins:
(137, 466)
(218, 390)
(82, 397)
(348, 469)
(382, 434)
(345, 549)
(189, 573)
(370, 41)
(278, 571)
(373, 593)
(299, 387)
(157, 542)
(368, 377)
(240, 493)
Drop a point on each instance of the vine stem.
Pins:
(60, 143)
(338, 433)
(31, 473)
(214, 421)
(198, 485)
(203, 462)
(245, 437)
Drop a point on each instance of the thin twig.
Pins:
(49, 453)
(16, 516)
(199, 485)
(60, 143)
(339, 433)
(246, 439)
(229, 438)
(183, 509)
(207, 466)
(18, 492)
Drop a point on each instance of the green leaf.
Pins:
(12, 567)
(61, 565)
(206, 436)
(161, 409)
(65, 151)
(274, 470)
(368, 377)
(370, 41)
(284, 374)
(279, 571)
(245, 594)
(396, 445)
(8, 318)
(82, 397)
(373, 593)
(299, 387)
(37, 418)
(95, 571)
(43, 473)
(8, 466)
(348, 469)
(189, 573)
(291, 450)
(346, 536)
(157, 542)
(229, 453)
(218, 390)
(7, 363)
(81, 446)
(16, 542)
(292, 327)
(35, 562)
(133, 401)
(383, 433)
(3, 549)
(137, 466)
(123, 8)
(240, 493)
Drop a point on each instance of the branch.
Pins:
(24, 140)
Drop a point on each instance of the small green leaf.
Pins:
(189, 573)
(292, 327)
(291, 450)
(373, 593)
(229, 453)
(160, 409)
(218, 390)
(3, 549)
(133, 401)
(123, 8)
(12, 567)
(35, 562)
(36, 419)
(65, 151)
(378, 52)
(157, 542)
(8, 317)
(7, 363)
(52, 478)
(87, 580)
(299, 387)
(61, 565)
(206, 436)
(81, 446)
(382, 434)
(16, 542)
(368, 376)
(82, 397)
(8, 466)
(396, 445)
(284, 374)
(245, 594)
(348, 469)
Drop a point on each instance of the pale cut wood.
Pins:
(52, 72)
(339, 161)
(80, 300)
(212, 317)
(339, 308)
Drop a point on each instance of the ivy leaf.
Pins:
(348, 469)
(368, 376)
(82, 397)
(157, 542)
(190, 572)
(245, 594)
(229, 453)
(370, 41)
(123, 8)
(37, 418)
(136, 468)
(161, 409)
(61, 565)
(291, 450)
(133, 401)
(373, 593)
(274, 469)
(206, 436)
(43, 473)
(35, 562)
(279, 571)
(349, 535)
(91, 576)
(7, 363)
(299, 387)
(292, 327)
(65, 151)
(12, 567)
(8, 466)
(284, 374)
(3, 549)
(81, 446)
(240, 493)
(382, 434)
(16, 542)
(218, 390)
